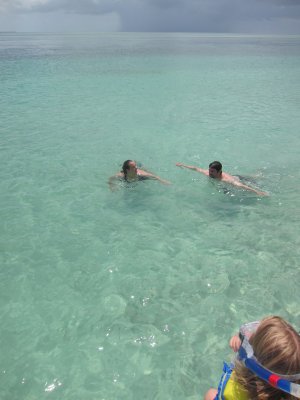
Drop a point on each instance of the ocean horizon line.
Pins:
(205, 34)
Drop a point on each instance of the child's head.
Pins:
(276, 346)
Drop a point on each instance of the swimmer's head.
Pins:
(215, 169)
(129, 166)
(276, 345)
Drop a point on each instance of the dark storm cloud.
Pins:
(176, 15)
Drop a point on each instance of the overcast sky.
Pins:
(220, 16)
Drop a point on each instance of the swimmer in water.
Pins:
(215, 172)
(131, 173)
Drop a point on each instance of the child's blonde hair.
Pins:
(276, 346)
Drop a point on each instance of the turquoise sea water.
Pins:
(134, 294)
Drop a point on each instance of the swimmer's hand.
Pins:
(262, 193)
(239, 184)
(179, 164)
(235, 343)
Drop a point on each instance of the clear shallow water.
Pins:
(134, 294)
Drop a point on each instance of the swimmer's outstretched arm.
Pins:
(241, 185)
(163, 181)
(112, 181)
(152, 176)
(197, 169)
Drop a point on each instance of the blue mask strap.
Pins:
(246, 355)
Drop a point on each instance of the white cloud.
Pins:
(30, 3)
(11, 5)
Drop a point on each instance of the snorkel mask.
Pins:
(246, 355)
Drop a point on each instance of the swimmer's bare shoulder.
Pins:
(141, 172)
(228, 178)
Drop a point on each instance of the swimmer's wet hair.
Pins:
(125, 167)
(216, 165)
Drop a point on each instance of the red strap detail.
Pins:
(273, 379)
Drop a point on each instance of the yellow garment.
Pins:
(234, 391)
